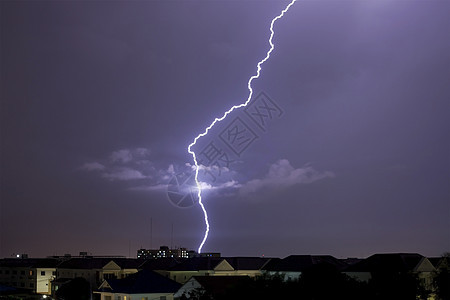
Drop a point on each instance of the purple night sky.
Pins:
(100, 99)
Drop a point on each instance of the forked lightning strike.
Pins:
(216, 120)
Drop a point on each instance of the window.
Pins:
(22, 272)
(1, 271)
(22, 284)
(31, 273)
(14, 272)
(42, 273)
(54, 273)
(6, 271)
(32, 285)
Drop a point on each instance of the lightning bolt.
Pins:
(216, 120)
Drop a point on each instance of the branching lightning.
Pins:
(216, 120)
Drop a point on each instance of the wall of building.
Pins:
(44, 276)
(37, 280)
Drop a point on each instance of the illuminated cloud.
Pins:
(123, 174)
(122, 156)
(135, 167)
(149, 188)
(282, 174)
(123, 165)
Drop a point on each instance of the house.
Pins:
(383, 265)
(293, 266)
(214, 286)
(96, 269)
(32, 274)
(143, 285)
(442, 262)
(198, 266)
(247, 266)
(160, 264)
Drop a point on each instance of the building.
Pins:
(385, 265)
(95, 269)
(143, 285)
(209, 254)
(247, 266)
(162, 252)
(292, 267)
(32, 274)
(213, 266)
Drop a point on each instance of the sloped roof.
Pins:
(351, 260)
(388, 262)
(100, 262)
(9, 291)
(220, 284)
(29, 262)
(142, 282)
(247, 263)
(435, 261)
(197, 263)
(159, 264)
(439, 262)
(300, 263)
(85, 263)
(128, 263)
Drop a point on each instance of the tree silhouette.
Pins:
(76, 289)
